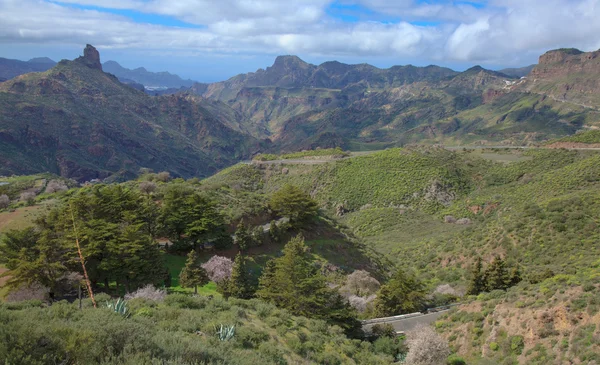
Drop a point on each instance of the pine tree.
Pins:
(497, 277)
(242, 237)
(476, 283)
(240, 283)
(193, 275)
(294, 282)
(401, 294)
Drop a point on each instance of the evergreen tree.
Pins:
(274, 231)
(242, 237)
(497, 276)
(290, 201)
(514, 276)
(193, 275)
(240, 283)
(476, 283)
(401, 294)
(294, 282)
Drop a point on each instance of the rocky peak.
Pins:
(286, 63)
(91, 57)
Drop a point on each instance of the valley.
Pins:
(262, 218)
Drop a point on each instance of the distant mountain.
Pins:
(151, 80)
(292, 72)
(517, 72)
(79, 122)
(299, 105)
(12, 68)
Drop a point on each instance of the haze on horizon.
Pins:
(212, 41)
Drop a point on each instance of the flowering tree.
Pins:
(218, 268)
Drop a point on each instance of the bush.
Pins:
(456, 360)
(148, 292)
(4, 201)
(517, 344)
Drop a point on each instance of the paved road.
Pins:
(407, 324)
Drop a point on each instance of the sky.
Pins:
(212, 40)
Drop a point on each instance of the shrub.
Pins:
(148, 292)
(4, 201)
(456, 360)
(55, 186)
(34, 291)
(28, 197)
(517, 344)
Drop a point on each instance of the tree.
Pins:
(240, 282)
(4, 201)
(163, 176)
(360, 283)
(293, 203)
(426, 347)
(294, 282)
(218, 268)
(496, 275)
(56, 185)
(193, 274)
(402, 294)
(147, 187)
(476, 283)
(28, 197)
(243, 237)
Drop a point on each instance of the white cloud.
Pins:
(502, 31)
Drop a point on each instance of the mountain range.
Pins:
(79, 121)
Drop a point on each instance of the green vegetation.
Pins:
(589, 137)
(180, 330)
(326, 152)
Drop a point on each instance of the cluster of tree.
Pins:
(294, 282)
(246, 237)
(116, 227)
(293, 203)
(496, 276)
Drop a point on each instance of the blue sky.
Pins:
(209, 40)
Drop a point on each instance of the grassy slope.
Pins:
(537, 208)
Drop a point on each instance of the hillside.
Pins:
(537, 209)
(79, 122)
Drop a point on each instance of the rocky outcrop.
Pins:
(90, 58)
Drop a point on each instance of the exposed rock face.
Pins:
(568, 75)
(91, 57)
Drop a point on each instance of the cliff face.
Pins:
(568, 75)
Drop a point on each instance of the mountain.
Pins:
(517, 72)
(151, 80)
(80, 122)
(292, 72)
(12, 68)
(298, 105)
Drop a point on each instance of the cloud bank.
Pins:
(476, 31)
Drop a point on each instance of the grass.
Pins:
(20, 218)
(175, 264)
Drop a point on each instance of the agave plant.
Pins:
(120, 306)
(225, 333)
